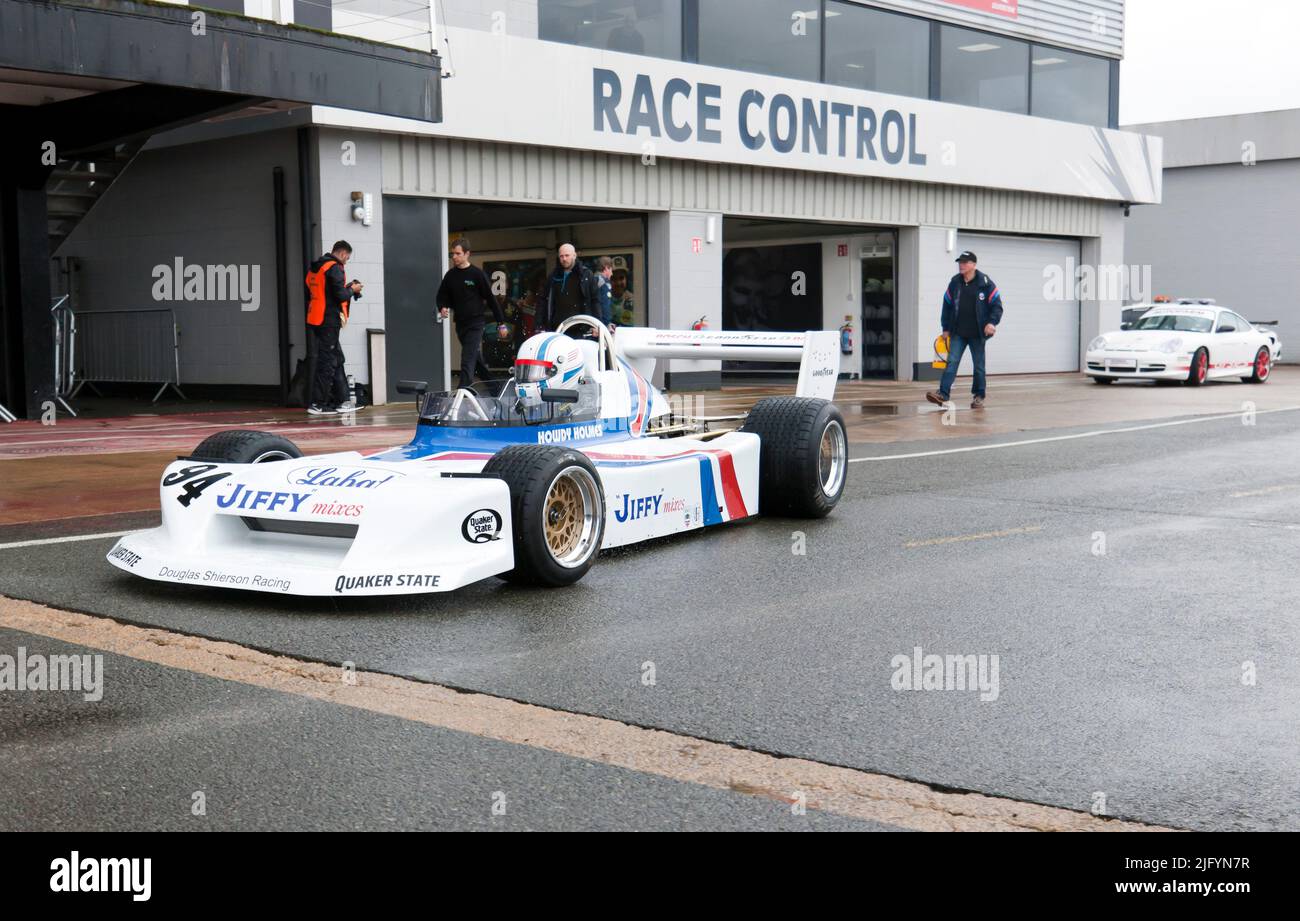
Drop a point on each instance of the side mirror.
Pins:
(1126, 326)
(559, 396)
(414, 387)
(1225, 329)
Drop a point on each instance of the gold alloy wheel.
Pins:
(571, 517)
(832, 458)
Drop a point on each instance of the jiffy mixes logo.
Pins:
(481, 526)
(346, 477)
(103, 874)
(651, 506)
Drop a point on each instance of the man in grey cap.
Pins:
(972, 310)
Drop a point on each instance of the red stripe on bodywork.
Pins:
(730, 485)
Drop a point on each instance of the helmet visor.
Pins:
(530, 370)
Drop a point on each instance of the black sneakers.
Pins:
(316, 409)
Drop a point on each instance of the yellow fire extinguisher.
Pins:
(940, 352)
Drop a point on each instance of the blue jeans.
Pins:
(957, 347)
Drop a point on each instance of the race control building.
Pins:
(752, 164)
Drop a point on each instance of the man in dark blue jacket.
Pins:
(972, 310)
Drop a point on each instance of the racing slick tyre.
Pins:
(241, 446)
(803, 455)
(1263, 367)
(1103, 380)
(1200, 367)
(557, 509)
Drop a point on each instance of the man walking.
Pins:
(329, 298)
(572, 289)
(467, 293)
(604, 290)
(972, 310)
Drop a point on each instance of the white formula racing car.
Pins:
(1185, 342)
(525, 479)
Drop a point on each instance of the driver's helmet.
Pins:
(546, 360)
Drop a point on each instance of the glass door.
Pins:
(879, 332)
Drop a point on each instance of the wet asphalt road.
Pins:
(1120, 672)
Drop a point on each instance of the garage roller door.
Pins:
(1036, 334)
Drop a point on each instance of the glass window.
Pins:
(979, 69)
(1177, 322)
(874, 50)
(652, 27)
(1071, 87)
(762, 36)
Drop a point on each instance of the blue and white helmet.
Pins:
(547, 360)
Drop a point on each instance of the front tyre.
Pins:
(242, 446)
(803, 455)
(1200, 368)
(557, 511)
(1263, 366)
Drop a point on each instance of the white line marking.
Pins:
(1039, 441)
(63, 540)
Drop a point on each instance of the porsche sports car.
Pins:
(1186, 341)
(526, 479)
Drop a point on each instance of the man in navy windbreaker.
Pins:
(972, 310)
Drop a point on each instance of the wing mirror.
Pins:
(1126, 325)
(559, 396)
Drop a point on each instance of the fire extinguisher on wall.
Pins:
(701, 323)
(846, 336)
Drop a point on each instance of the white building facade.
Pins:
(745, 163)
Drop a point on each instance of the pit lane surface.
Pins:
(1121, 673)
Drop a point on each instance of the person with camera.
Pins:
(329, 298)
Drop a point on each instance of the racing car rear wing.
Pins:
(816, 351)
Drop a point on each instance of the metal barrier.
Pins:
(65, 352)
(129, 346)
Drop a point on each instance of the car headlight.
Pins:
(1169, 346)
(1098, 343)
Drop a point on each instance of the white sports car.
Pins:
(526, 479)
(1185, 342)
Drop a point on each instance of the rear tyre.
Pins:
(1263, 367)
(1199, 369)
(557, 511)
(241, 446)
(803, 458)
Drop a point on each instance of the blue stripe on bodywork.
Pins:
(708, 494)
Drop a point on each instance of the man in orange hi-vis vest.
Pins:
(329, 296)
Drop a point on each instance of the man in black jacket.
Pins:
(329, 297)
(466, 292)
(971, 312)
(572, 289)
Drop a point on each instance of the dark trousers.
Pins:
(329, 387)
(471, 354)
(956, 347)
